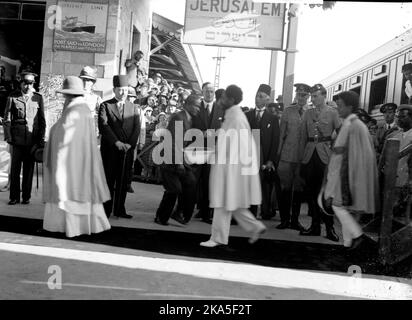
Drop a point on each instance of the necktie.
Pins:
(121, 108)
(259, 115)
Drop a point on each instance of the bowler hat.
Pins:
(265, 89)
(88, 73)
(388, 107)
(407, 67)
(324, 205)
(37, 153)
(72, 85)
(302, 88)
(120, 81)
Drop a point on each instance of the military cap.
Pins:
(88, 73)
(317, 87)
(265, 89)
(120, 81)
(363, 115)
(388, 107)
(28, 76)
(302, 88)
(405, 107)
(407, 67)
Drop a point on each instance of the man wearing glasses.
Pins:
(24, 127)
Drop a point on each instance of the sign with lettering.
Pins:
(81, 27)
(235, 23)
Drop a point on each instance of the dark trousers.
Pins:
(113, 168)
(202, 173)
(177, 184)
(313, 173)
(267, 185)
(21, 156)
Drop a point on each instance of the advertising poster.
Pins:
(81, 27)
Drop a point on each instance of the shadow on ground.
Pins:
(270, 253)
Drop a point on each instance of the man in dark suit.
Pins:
(24, 128)
(210, 116)
(177, 175)
(388, 110)
(268, 125)
(119, 125)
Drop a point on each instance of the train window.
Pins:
(355, 80)
(377, 93)
(337, 88)
(404, 97)
(379, 70)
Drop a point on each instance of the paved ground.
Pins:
(138, 259)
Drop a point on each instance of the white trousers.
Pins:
(221, 223)
(350, 227)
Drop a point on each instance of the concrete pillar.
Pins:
(289, 73)
(272, 73)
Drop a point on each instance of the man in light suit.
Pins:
(210, 116)
(268, 124)
(119, 126)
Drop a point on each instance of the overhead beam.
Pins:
(164, 67)
(161, 46)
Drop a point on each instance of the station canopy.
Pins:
(171, 58)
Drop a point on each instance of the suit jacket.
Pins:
(24, 122)
(381, 135)
(269, 134)
(178, 124)
(203, 121)
(113, 127)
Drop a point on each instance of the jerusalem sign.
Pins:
(235, 23)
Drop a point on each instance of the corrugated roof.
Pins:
(175, 61)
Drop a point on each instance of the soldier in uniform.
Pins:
(318, 125)
(407, 73)
(24, 128)
(384, 130)
(288, 155)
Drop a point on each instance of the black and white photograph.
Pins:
(204, 156)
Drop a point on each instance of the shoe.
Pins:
(130, 189)
(178, 218)
(312, 231)
(25, 202)
(331, 234)
(296, 226)
(13, 202)
(125, 215)
(356, 243)
(283, 225)
(210, 244)
(255, 237)
(157, 220)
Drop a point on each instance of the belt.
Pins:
(19, 121)
(320, 139)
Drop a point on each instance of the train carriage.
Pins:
(376, 77)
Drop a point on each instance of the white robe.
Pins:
(234, 181)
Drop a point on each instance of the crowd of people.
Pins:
(326, 153)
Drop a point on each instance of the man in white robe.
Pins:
(352, 177)
(234, 183)
(74, 181)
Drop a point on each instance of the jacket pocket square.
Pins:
(268, 125)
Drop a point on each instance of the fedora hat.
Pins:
(72, 85)
(88, 73)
